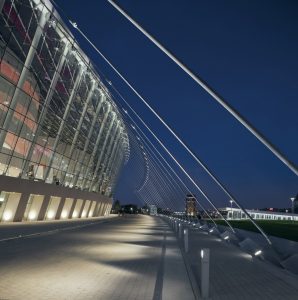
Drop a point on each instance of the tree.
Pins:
(117, 206)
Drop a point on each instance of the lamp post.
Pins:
(292, 199)
(231, 201)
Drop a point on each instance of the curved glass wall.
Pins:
(58, 122)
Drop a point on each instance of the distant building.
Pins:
(153, 210)
(238, 214)
(190, 205)
(296, 205)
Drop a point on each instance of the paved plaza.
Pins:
(235, 274)
(131, 257)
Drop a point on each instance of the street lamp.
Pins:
(292, 199)
(231, 201)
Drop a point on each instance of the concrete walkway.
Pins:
(235, 274)
(131, 257)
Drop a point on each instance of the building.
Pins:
(190, 205)
(153, 210)
(62, 138)
(237, 214)
(295, 205)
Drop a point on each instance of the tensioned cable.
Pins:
(173, 171)
(142, 146)
(161, 181)
(140, 167)
(142, 157)
(216, 180)
(213, 94)
(224, 189)
(75, 26)
(136, 143)
(136, 162)
(157, 151)
(158, 188)
(174, 159)
(176, 136)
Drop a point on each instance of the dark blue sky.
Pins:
(246, 50)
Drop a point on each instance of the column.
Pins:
(65, 115)
(45, 106)
(108, 157)
(87, 213)
(19, 214)
(103, 207)
(24, 74)
(108, 162)
(74, 202)
(97, 206)
(89, 97)
(44, 206)
(95, 148)
(59, 209)
(116, 174)
(77, 132)
(90, 134)
(102, 152)
(82, 208)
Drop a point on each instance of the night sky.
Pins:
(246, 50)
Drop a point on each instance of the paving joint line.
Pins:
(157, 295)
(52, 231)
(192, 280)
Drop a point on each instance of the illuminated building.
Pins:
(62, 139)
(190, 205)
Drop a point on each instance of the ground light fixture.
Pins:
(226, 237)
(32, 215)
(50, 214)
(7, 216)
(258, 252)
(64, 214)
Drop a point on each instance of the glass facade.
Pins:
(58, 122)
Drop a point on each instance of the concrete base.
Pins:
(29, 200)
(291, 263)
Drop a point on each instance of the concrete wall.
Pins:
(28, 200)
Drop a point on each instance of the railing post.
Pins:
(205, 264)
(186, 240)
(180, 230)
